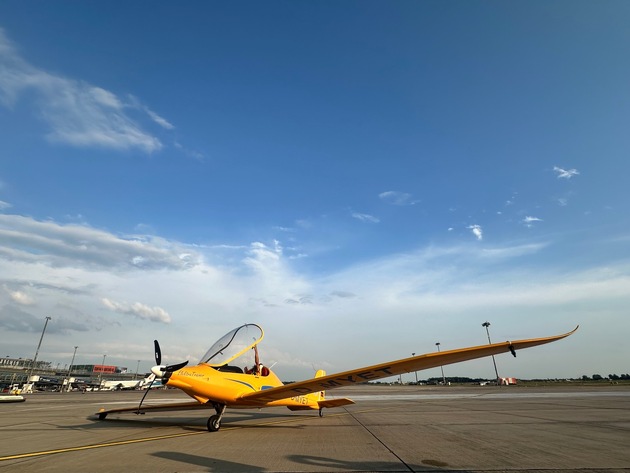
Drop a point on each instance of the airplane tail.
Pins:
(321, 396)
(317, 400)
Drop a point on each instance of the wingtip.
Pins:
(572, 331)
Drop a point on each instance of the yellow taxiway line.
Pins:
(97, 445)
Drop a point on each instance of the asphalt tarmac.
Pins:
(389, 429)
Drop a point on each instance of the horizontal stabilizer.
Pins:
(342, 401)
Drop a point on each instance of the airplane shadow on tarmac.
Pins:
(192, 423)
(343, 465)
(318, 464)
(213, 464)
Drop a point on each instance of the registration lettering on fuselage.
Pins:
(300, 399)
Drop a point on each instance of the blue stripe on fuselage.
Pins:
(243, 382)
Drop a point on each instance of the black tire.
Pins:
(102, 416)
(214, 424)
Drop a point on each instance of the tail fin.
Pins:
(319, 398)
(322, 394)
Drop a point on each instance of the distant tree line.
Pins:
(612, 377)
(465, 380)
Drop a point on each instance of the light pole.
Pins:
(37, 351)
(100, 375)
(441, 367)
(486, 324)
(70, 369)
(415, 372)
(137, 366)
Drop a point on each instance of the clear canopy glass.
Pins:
(233, 344)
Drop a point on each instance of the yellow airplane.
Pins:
(218, 381)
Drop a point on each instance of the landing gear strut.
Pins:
(214, 422)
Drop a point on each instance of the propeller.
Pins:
(160, 371)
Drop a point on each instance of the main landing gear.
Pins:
(214, 422)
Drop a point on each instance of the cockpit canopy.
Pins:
(233, 344)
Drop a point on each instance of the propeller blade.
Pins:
(158, 353)
(178, 366)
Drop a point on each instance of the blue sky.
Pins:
(363, 179)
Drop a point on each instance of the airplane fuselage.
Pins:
(207, 384)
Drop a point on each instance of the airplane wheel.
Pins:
(214, 424)
(321, 413)
(102, 416)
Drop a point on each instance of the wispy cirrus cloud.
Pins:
(134, 102)
(77, 113)
(397, 198)
(365, 217)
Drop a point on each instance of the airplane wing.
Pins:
(180, 406)
(393, 368)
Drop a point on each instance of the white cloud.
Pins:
(431, 292)
(134, 102)
(365, 217)
(565, 174)
(4, 205)
(509, 252)
(142, 311)
(189, 152)
(58, 245)
(477, 231)
(105, 98)
(19, 297)
(397, 198)
(78, 113)
(529, 220)
(159, 120)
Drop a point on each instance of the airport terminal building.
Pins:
(46, 376)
